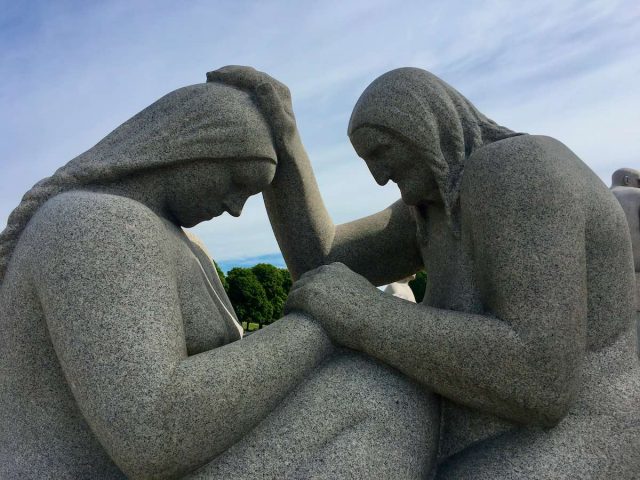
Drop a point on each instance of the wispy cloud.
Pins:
(72, 71)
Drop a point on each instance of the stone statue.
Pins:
(525, 332)
(625, 186)
(401, 289)
(121, 354)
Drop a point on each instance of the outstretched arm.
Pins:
(381, 247)
(106, 279)
(521, 359)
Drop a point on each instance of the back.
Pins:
(42, 428)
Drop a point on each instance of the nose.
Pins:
(379, 172)
(234, 205)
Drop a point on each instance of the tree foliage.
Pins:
(258, 294)
(272, 281)
(248, 297)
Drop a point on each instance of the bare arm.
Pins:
(521, 359)
(107, 282)
(381, 247)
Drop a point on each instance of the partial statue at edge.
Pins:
(625, 185)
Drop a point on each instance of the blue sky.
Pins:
(71, 71)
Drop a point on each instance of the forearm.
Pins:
(220, 395)
(476, 360)
(300, 221)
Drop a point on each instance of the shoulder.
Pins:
(534, 168)
(86, 206)
(505, 159)
(82, 210)
(526, 183)
(81, 221)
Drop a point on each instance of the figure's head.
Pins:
(201, 150)
(625, 177)
(389, 156)
(413, 128)
(198, 190)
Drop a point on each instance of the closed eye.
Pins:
(379, 150)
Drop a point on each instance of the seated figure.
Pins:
(625, 186)
(526, 328)
(122, 355)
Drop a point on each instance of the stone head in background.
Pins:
(625, 186)
(401, 289)
(121, 353)
(525, 331)
(625, 177)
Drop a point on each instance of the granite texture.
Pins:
(625, 186)
(121, 354)
(526, 330)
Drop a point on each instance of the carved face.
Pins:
(631, 180)
(391, 157)
(203, 189)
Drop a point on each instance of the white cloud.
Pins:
(71, 73)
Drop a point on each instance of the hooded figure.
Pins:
(202, 121)
(525, 330)
(120, 352)
(421, 108)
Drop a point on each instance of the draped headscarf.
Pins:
(434, 116)
(202, 121)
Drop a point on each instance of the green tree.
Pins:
(286, 280)
(274, 282)
(248, 297)
(419, 285)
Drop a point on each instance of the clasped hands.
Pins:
(333, 295)
(337, 298)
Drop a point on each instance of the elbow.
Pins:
(547, 402)
(142, 446)
(551, 408)
(145, 458)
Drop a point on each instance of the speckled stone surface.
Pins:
(527, 328)
(120, 353)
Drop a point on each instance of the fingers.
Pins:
(298, 300)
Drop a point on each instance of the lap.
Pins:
(354, 417)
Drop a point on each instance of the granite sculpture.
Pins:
(401, 289)
(121, 354)
(526, 330)
(625, 186)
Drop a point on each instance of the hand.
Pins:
(272, 97)
(338, 298)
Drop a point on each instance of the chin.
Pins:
(192, 220)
